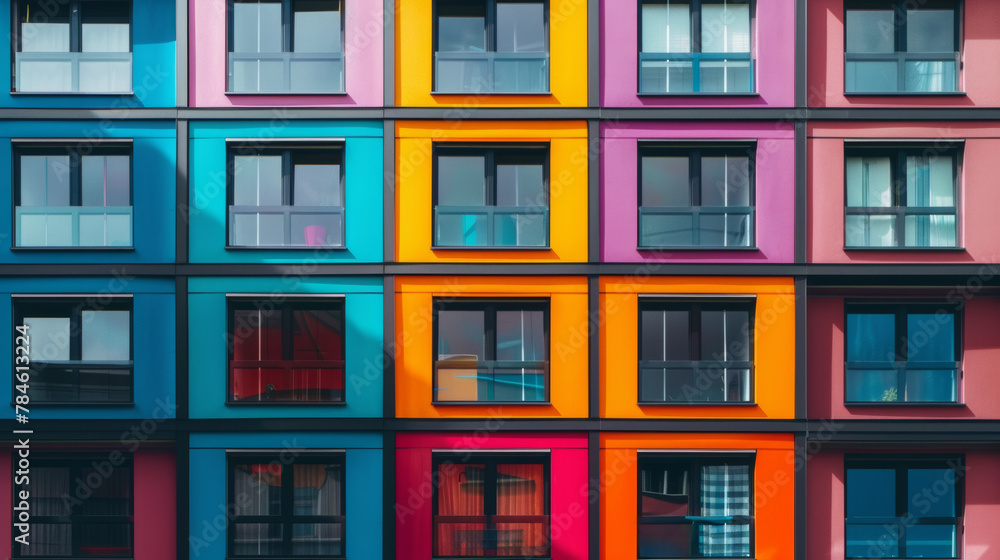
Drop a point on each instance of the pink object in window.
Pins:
(315, 235)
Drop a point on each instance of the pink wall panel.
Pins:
(6, 487)
(981, 352)
(363, 32)
(978, 77)
(414, 487)
(825, 498)
(155, 505)
(775, 189)
(774, 60)
(979, 231)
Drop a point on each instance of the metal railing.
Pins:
(695, 61)
(696, 213)
(489, 220)
(290, 81)
(24, 60)
(79, 219)
(487, 73)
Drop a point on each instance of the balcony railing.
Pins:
(73, 72)
(902, 382)
(902, 72)
(286, 226)
(695, 72)
(492, 535)
(74, 226)
(286, 381)
(491, 72)
(679, 382)
(697, 226)
(470, 380)
(491, 226)
(62, 382)
(286, 72)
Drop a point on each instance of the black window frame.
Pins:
(76, 152)
(901, 310)
(694, 153)
(287, 517)
(526, 152)
(71, 307)
(694, 307)
(75, 42)
(287, 42)
(696, 52)
(901, 463)
(897, 154)
(490, 32)
(693, 461)
(490, 460)
(490, 307)
(287, 307)
(900, 8)
(287, 151)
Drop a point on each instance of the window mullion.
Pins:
(491, 30)
(694, 184)
(287, 331)
(695, 15)
(75, 178)
(75, 334)
(287, 28)
(287, 507)
(902, 483)
(899, 195)
(75, 27)
(694, 333)
(490, 476)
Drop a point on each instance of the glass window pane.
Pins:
(257, 181)
(871, 231)
(665, 541)
(870, 493)
(317, 76)
(725, 28)
(878, 385)
(45, 37)
(317, 185)
(105, 37)
(318, 489)
(461, 27)
(45, 181)
(677, 342)
(461, 334)
(713, 335)
(520, 336)
(666, 27)
(520, 185)
(930, 385)
(520, 27)
(316, 26)
(260, 486)
(871, 337)
(257, 539)
(931, 541)
(257, 335)
(106, 336)
(257, 26)
(49, 338)
(738, 343)
(461, 181)
(315, 229)
(317, 539)
(939, 483)
(872, 76)
(666, 231)
(665, 181)
(870, 31)
(931, 337)
(872, 541)
(869, 181)
(930, 181)
(105, 180)
(715, 181)
(97, 76)
(653, 333)
(930, 31)
(930, 75)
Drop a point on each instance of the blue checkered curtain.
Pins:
(725, 492)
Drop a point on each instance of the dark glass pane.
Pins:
(105, 26)
(930, 337)
(930, 31)
(665, 181)
(461, 334)
(931, 492)
(668, 230)
(48, 486)
(870, 31)
(257, 334)
(677, 341)
(318, 539)
(48, 540)
(738, 343)
(257, 539)
(45, 26)
(257, 26)
(931, 541)
(316, 185)
(103, 540)
(870, 493)
(872, 541)
(871, 337)
(259, 484)
(520, 27)
(461, 27)
(877, 385)
(652, 386)
(461, 181)
(317, 335)
(665, 491)
(653, 335)
(520, 336)
(113, 496)
(318, 489)
(713, 335)
(45, 180)
(316, 26)
(931, 385)
(665, 541)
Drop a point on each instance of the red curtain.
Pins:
(460, 493)
(521, 491)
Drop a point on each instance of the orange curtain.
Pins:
(521, 491)
(460, 493)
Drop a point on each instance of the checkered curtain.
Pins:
(725, 491)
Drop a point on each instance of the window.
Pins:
(283, 509)
(73, 196)
(286, 46)
(289, 196)
(902, 353)
(901, 197)
(898, 46)
(695, 351)
(491, 505)
(73, 46)
(286, 352)
(490, 351)
(695, 46)
(695, 506)
(99, 525)
(491, 46)
(900, 506)
(80, 351)
(491, 197)
(696, 197)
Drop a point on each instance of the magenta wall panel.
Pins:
(978, 77)
(775, 189)
(773, 35)
(978, 197)
(568, 487)
(363, 32)
(978, 386)
(825, 513)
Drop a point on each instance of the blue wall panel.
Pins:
(362, 177)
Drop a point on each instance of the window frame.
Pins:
(75, 461)
(490, 306)
(902, 310)
(490, 33)
(287, 42)
(288, 151)
(75, 46)
(71, 307)
(695, 460)
(287, 517)
(75, 152)
(695, 54)
(489, 153)
(902, 463)
(899, 9)
(694, 153)
(490, 460)
(897, 154)
(694, 306)
(287, 307)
